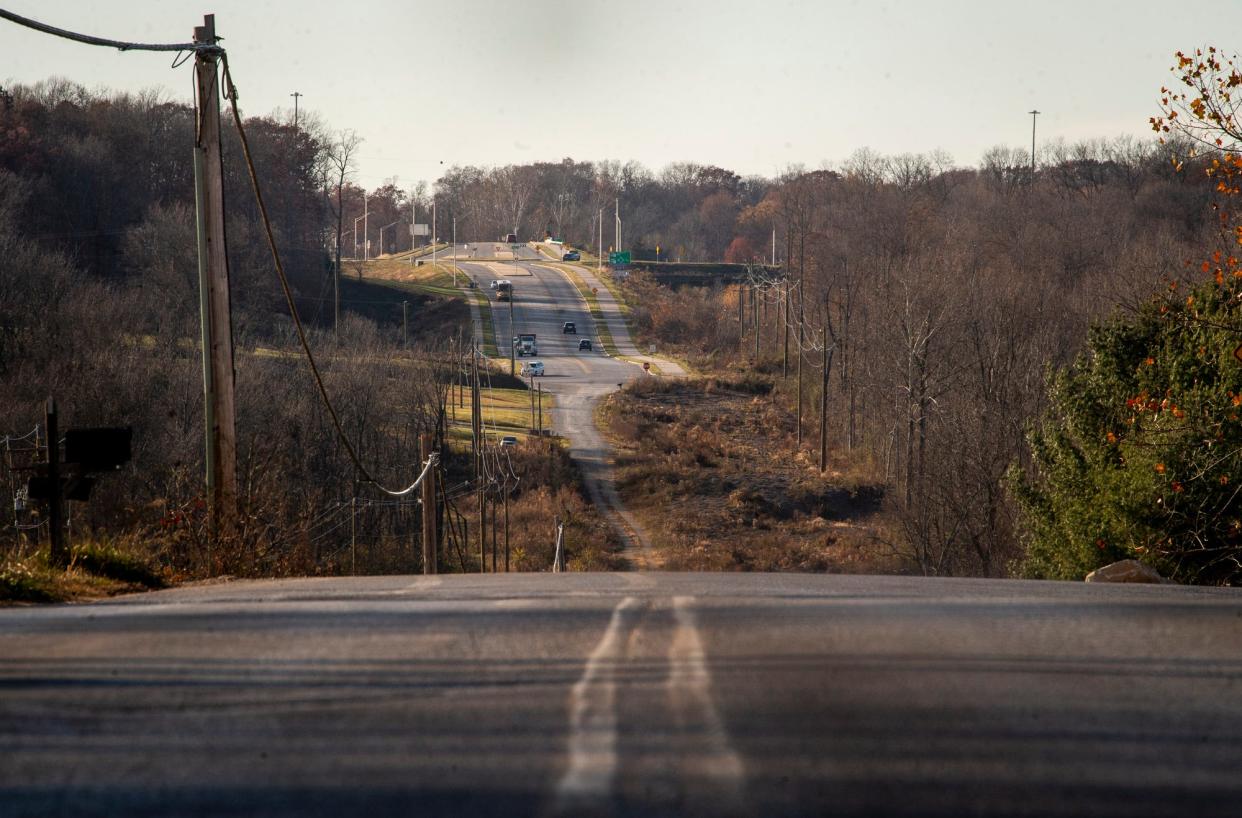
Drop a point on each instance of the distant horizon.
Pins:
(488, 84)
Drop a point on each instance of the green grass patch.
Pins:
(109, 561)
(26, 581)
(505, 412)
(485, 319)
(96, 569)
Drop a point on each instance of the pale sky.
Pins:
(750, 86)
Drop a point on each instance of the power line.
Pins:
(231, 95)
(120, 45)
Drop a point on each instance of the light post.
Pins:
(355, 232)
(295, 96)
(599, 251)
(381, 236)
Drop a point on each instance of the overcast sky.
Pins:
(751, 86)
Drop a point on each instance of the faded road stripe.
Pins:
(593, 719)
(690, 697)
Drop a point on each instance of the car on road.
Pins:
(568, 328)
(572, 255)
(508, 440)
(585, 343)
(532, 369)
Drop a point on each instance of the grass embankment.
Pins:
(712, 468)
(96, 570)
(505, 412)
(437, 281)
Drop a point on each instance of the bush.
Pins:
(1138, 455)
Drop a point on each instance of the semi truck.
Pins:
(525, 344)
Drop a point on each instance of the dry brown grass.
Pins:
(712, 467)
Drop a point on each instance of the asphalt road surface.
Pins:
(544, 299)
(629, 694)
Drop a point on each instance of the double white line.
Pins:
(591, 775)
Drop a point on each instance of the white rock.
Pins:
(1127, 571)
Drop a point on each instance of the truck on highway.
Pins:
(525, 344)
(504, 290)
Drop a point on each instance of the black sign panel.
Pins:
(102, 449)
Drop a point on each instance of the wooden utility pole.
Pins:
(494, 548)
(540, 400)
(405, 323)
(785, 330)
(477, 415)
(506, 525)
(55, 499)
(741, 316)
(788, 256)
(823, 405)
(431, 544)
(213, 282)
(754, 307)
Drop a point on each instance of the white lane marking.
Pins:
(690, 695)
(593, 719)
(424, 583)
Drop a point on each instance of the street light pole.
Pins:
(366, 232)
(618, 220)
(295, 96)
(599, 253)
(381, 237)
(1033, 115)
(356, 236)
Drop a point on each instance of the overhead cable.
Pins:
(210, 48)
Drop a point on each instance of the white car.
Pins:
(532, 369)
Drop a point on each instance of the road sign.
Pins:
(619, 259)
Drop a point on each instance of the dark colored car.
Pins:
(585, 343)
(572, 255)
(568, 328)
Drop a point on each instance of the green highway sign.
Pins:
(619, 259)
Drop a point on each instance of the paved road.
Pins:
(627, 694)
(544, 299)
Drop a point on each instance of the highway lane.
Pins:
(627, 694)
(543, 300)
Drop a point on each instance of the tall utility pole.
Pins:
(213, 283)
(431, 546)
(599, 253)
(55, 499)
(1033, 115)
(754, 308)
(617, 217)
(295, 96)
(366, 232)
(823, 403)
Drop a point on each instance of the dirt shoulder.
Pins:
(711, 467)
